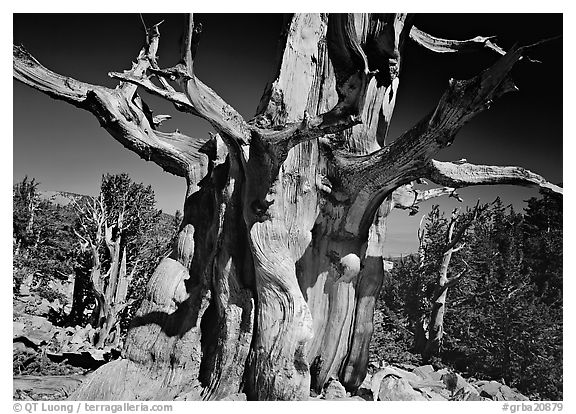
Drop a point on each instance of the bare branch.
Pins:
(466, 174)
(421, 247)
(406, 197)
(118, 114)
(146, 57)
(461, 101)
(369, 178)
(455, 279)
(458, 248)
(179, 99)
(439, 45)
(204, 100)
(29, 71)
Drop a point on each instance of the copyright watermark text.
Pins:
(532, 406)
(89, 407)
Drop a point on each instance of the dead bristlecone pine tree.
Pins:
(271, 284)
(110, 288)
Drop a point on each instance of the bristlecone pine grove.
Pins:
(271, 285)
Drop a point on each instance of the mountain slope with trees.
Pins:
(62, 243)
(503, 320)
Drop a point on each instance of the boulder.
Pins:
(18, 307)
(18, 329)
(36, 329)
(495, 391)
(391, 371)
(490, 390)
(473, 397)
(466, 386)
(79, 336)
(334, 390)
(432, 394)
(510, 394)
(424, 371)
(398, 389)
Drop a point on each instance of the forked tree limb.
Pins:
(459, 103)
(117, 112)
(368, 179)
(205, 101)
(195, 97)
(179, 99)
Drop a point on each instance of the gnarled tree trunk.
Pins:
(271, 286)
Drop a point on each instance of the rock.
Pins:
(450, 380)
(37, 329)
(55, 305)
(432, 395)
(393, 371)
(18, 329)
(55, 386)
(405, 366)
(466, 386)
(437, 375)
(510, 394)
(398, 389)
(354, 398)
(334, 390)
(21, 348)
(495, 391)
(25, 285)
(367, 381)
(79, 336)
(424, 371)
(490, 390)
(29, 300)
(408, 375)
(43, 308)
(473, 397)
(18, 307)
(235, 397)
(90, 333)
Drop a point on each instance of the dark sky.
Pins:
(65, 148)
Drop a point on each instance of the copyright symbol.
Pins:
(17, 407)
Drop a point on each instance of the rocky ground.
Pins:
(60, 358)
(49, 361)
(421, 383)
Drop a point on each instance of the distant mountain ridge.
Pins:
(61, 198)
(64, 198)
